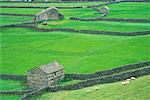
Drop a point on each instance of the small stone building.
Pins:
(104, 10)
(49, 14)
(45, 75)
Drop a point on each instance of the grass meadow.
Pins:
(98, 25)
(24, 49)
(112, 91)
(52, 4)
(7, 20)
(129, 10)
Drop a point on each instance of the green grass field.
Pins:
(138, 89)
(9, 97)
(6, 20)
(99, 25)
(11, 85)
(52, 4)
(80, 12)
(20, 10)
(129, 10)
(24, 49)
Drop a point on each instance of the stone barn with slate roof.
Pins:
(45, 75)
(104, 10)
(49, 14)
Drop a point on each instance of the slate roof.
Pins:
(46, 10)
(51, 67)
(48, 68)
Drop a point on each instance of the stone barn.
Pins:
(104, 10)
(49, 14)
(45, 75)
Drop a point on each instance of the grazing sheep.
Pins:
(96, 88)
(128, 79)
(88, 91)
(132, 78)
(125, 82)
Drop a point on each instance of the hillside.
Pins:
(136, 90)
(94, 49)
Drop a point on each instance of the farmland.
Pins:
(52, 4)
(31, 49)
(25, 48)
(106, 92)
(129, 10)
(99, 25)
(6, 20)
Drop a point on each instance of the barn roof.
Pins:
(48, 9)
(48, 68)
(51, 67)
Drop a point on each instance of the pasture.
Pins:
(106, 92)
(129, 10)
(78, 12)
(27, 49)
(52, 4)
(6, 20)
(24, 48)
(98, 25)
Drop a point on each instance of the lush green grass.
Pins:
(80, 12)
(130, 10)
(9, 97)
(99, 25)
(20, 10)
(11, 85)
(24, 49)
(52, 4)
(5, 20)
(138, 89)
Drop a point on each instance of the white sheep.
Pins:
(88, 91)
(96, 88)
(128, 79)
(132, 78)
(125, 82)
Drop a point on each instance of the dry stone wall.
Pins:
(77, 31)
(88, 83)
(10, 14)
(108, 72)
(112, 19)
(17, 92)
(13, 77)
(103, 80)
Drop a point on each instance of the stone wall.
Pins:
(103, 80)
(88, 83)
(109, 76)
(112, 19)
(13, 77)
(10, 14)
(77, 31)
(108, 72)
(15, 92)
(31, 95)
